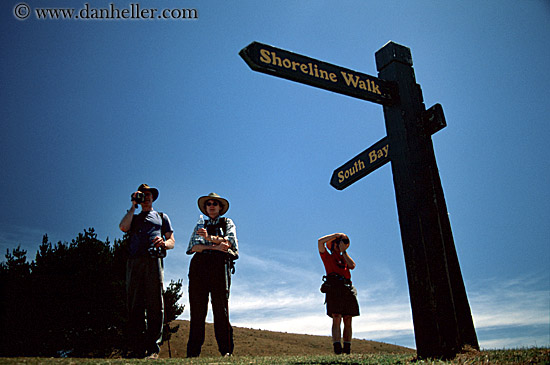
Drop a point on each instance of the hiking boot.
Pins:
(337, 348)
(347, 348)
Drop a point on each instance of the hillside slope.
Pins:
(251, 342)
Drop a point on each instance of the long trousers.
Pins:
(209, 275)
(144, 278)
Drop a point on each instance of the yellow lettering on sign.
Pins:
(378, 154)
(367, 85)
(311, 69)
(264, 56)
(346, 174)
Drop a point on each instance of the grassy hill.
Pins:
(251, 342)
(269, 348)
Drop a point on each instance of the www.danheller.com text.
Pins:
(88, 12)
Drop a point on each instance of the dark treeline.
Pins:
(71, 300)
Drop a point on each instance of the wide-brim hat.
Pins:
(144, 187)
(213, 196)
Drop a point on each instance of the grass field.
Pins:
(253, 346)
(517, 356)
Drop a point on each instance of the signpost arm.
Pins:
(441, 314)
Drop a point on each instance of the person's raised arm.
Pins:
(323, 240)
(126, 221)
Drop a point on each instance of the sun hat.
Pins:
(213, 196)
(144, 187)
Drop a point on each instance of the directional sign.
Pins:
(361, 165)
(442, 319)
(295, 67)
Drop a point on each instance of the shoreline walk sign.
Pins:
(295, 67)
(442, 319)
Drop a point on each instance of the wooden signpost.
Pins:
(443, 324)
(377, 155)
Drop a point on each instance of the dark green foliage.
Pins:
(70, 301)
(15, 283)
(172, 310)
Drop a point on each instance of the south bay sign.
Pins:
(442, 319)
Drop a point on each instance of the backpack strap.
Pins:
(162, 232)
(213, 229)
(223, 223)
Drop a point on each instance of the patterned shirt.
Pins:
(230, 235)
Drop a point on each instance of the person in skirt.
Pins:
(341, 296)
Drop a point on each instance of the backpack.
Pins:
(215, 229)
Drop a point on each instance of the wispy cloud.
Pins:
(279, 295)
(277, 291)
(512, 313)
(516, 302)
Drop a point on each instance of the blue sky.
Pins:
(93, 108)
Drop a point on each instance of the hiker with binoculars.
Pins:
(150, 234)
(341, 295)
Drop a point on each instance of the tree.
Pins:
(76, 299)
(14, 304)
(70, 301)
(172, 310)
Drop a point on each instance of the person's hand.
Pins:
(343, 247)
(202, 232)
(158, 242)
(224, 246)
(134, 204)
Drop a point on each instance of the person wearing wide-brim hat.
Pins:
(150, 234)
(214, 248)
(214, 197)
(146, 188)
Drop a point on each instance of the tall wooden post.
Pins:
(442, 319)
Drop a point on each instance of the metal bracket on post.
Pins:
(434, 119)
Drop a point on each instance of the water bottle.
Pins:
(200, 224)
